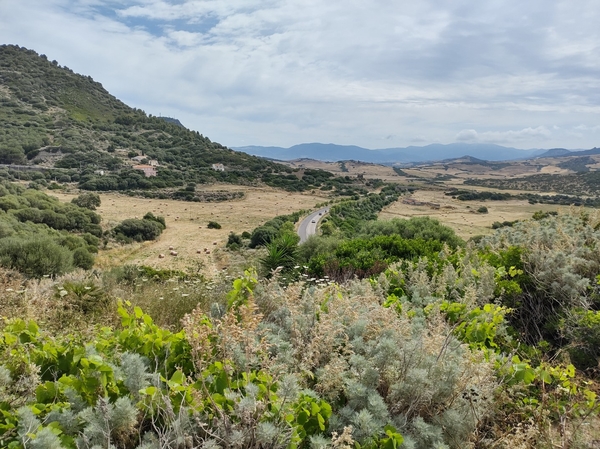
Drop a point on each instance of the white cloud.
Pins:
(540, 133)
(282, 72)
(467, 135)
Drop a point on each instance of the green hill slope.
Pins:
(53, 118)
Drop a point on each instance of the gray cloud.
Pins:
(540, 133)
(280, 72)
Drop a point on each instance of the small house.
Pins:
(148, 170)
(218, 167)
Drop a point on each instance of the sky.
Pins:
(378, 73)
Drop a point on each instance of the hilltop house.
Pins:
(148, 170)
(218, 167)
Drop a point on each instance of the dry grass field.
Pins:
(187, 230)
(371, 171)
(444, 174)
(462, 216)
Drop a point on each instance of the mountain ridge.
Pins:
(411, 154)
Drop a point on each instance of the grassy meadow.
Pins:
(462, 216)
(187, 230)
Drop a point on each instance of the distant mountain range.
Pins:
(434, 152)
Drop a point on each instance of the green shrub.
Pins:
(138, 230)
(157, 219)
(234, 241)
(83, 259)
(35, 258)
(262, 235)
(87, 200)
(213, 225)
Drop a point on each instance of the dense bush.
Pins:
(377, 245)
(425, 228)
(87, 200)
(42, 236)
(364, 257)
(234, 241)
(138, 230)
(265, 234)
(82, 258)
(548, 268)
(160, 220)
(35, 257)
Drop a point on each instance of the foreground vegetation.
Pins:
(484, 345)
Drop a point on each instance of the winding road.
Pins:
(308, 226)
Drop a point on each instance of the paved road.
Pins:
(308, 226)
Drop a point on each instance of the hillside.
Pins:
(53, 118)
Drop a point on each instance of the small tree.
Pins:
(157, 218)
(87, 200)
(213, 225)
(139, 230)
(83, 259)
(234, 241)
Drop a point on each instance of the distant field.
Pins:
(353, 169)
(461, 215)
(188, 232)
(443, 174)
(186, 221)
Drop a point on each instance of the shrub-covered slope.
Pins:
(53, 117)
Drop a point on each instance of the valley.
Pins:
(187, 230)
(156, 294)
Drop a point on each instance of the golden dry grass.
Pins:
(187, 222)
(461, 215)
(370, 171)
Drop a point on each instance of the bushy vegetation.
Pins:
(425, 354)
(40, 236)
(133, 229)
(568, 200)
(52, 116)
(274, 228)
(583, 184)
(349, 215)
(87, 200)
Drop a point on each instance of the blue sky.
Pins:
(377, 74)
